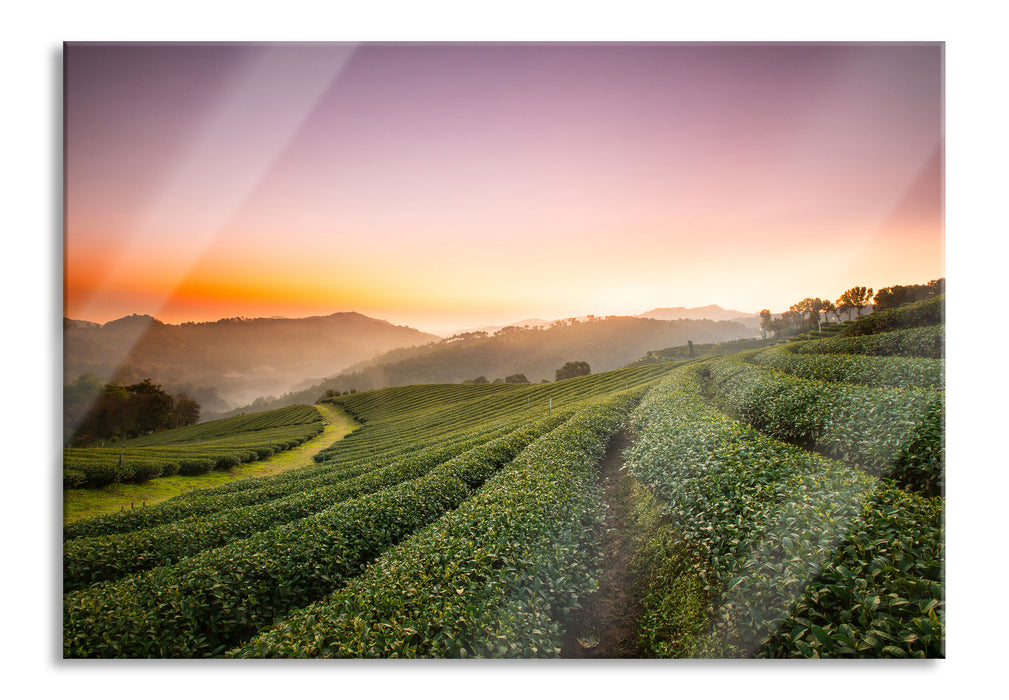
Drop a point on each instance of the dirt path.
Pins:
(604, 629)
(88, 503)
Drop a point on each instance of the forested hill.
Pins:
(605, 343)
(712, 311)
(240, 358)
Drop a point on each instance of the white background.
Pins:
(976, 231)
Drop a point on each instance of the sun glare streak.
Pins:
(823, 508)
(748, 174)
(241, 141)
(764, 587)
(239, 144)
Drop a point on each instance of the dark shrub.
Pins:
(579, 368)
(102, 474)
(144, 471)
(264, 452)
(194, 467)
(227, 462)
(73, 479)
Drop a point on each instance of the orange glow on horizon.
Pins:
(476, 185)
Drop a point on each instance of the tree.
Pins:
(572, 369)
(790, 322)
(766, 323)
(856, 298)
(105, 417)
(864, 300)
(892, 297)
(78, 398)
(479, 380)
(809, 308)
(186, 411)
(836, 310)
(129, 411)
(827, 309)
(516, 379)
(150, 408)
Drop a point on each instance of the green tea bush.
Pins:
(855, 369)
(724, 486)
(254, 423)
(211, 601)
(920, 465)
(227, 462)
(101, 474)
(144, 471)
(401, 421)
(871, 427)
(752, 522)
(224, 442)
(926, 342)
(194, 467)
(254, 578)
(928, 312)
(93, 559)
(882, 594)
(73, 479)
(496, 577)
(301, 486)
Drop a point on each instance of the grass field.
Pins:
(88, 503)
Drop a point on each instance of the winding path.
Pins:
(605, 626)
(88, 503)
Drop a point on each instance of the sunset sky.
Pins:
(445, 186)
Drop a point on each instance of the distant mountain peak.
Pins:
(231, 355)
(133, 320)
(713, 312)
(77, 323)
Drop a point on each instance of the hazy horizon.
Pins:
(445, 186)
(448, 330)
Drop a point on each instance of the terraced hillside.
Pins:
(800, 494)
(195, 449)
(205, 572)
(788, 503)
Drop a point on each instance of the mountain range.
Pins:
(712, 312)
(535, 352)
(239, 358)
(232, 362)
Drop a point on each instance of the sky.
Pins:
(446, 186)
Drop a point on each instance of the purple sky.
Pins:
(445, 186)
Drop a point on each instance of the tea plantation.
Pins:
(195, 449)
(790, 505)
